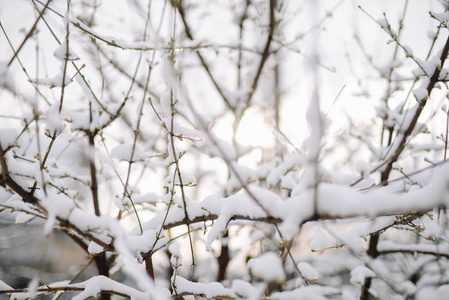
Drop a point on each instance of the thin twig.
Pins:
(178, 5)
(30, 32)
(265, 53)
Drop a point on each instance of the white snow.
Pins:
(359, 274)
(382, 23)
(442, 16)
(187, 179)
(146, 198)
(363, 168)
(268, 267)
(313, 292)
(428, 248)
(59, 205)
(223, 149)
(227, 208)
(169, 73)
(54, 121)
(314, 118)
(308, 272)
(209, 290)
(431, 292)
(125, 153)
(97, 284)
(351, 237)
(4, 286)
(428, 66)
(420, 94)
(32, 287)
(8, 137)
(176, 255)
(57, 80)
(23, 218)
(94, 248)
(257, 236)
(244, 174)
(144, 242)
(288, 182)
(61, 52)
(294, 161)
(6, 78)
(247, 290)
(166, 104)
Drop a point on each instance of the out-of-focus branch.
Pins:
(243, 17)
(265, 53)
(413, 252)
(178, 5)
(93, 173)
(30, 33)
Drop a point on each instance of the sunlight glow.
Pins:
(254, 130)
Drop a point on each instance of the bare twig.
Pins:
(265, 53)
(30, 32)
(178, 5)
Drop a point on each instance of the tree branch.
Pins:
(93, 173)
(178, 5)
(30, 33)
(265, 53)
(433, 80)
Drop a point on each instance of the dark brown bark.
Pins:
(93, 175)
(149, 264)
(223, 260)
(103, 269)
(373, 253)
